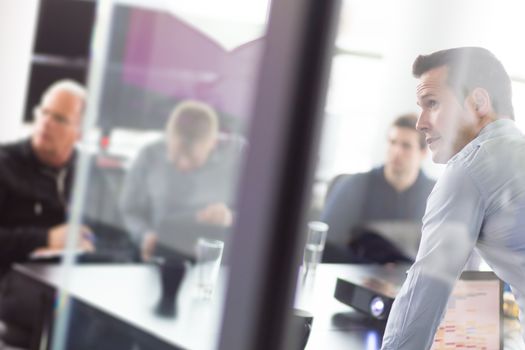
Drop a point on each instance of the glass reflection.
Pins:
(169, 105)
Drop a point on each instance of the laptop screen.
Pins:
(473, 318)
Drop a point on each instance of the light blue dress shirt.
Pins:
(478, 203)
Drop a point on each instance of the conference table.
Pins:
(126, 295)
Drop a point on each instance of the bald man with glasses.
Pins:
(36, 177)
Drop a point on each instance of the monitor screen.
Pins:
(61, 47)
(473, 319)
(64, 28)
(156, 60)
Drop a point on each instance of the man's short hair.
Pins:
(68, 85)
(470, 68)
(409, 121)
(192, 121)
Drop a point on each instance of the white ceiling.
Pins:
(411, 27)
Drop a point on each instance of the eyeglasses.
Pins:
(58, 118)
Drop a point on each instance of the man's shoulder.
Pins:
(359, 178)
(425, 181)
(152, 149)
(349, 182)
(15, 162)
(491, 165)
(14, 151)
(455, 177)
(231, 142)
(229, 147)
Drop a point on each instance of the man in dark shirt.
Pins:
(35, 185)
(36, 176)
(396, 191)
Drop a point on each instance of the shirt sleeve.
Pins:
(135, 203)
(16, 244)
(451, 227)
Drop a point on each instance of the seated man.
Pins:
(180, 188)
(36, 177)
(396, 191)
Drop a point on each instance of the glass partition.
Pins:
(165, 136)
(175, 125)
(369, 143)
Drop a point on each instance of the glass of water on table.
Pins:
(315, 241)
(209, 255)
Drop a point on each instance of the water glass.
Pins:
(314, 247)
(209, 255)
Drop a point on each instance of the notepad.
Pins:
(474, 315)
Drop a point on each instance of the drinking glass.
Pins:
(209, 255)
(314, 247)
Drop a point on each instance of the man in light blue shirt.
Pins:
(479, 201)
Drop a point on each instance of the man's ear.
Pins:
(480, 102)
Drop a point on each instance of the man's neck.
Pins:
(400, 181)
(53, 159)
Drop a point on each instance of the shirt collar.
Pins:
(497, 128)
(29, 151)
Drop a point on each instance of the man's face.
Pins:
(191, 157)
(448, 124)
(57, 126)
(404, 154)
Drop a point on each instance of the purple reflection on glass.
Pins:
(190, 64)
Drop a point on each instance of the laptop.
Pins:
(178, 235)
(403, 234)
(474, 314)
